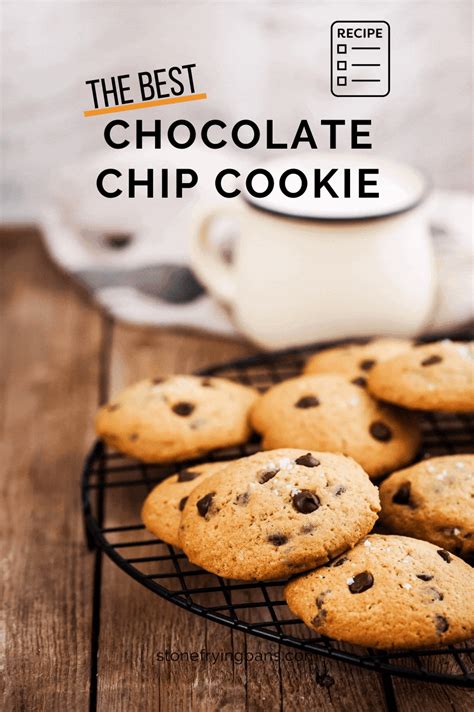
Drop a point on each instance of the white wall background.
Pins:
(255, 59)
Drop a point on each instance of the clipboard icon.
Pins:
(360, 58)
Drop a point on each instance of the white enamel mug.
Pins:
(307, 269)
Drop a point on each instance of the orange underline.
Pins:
(145, 104)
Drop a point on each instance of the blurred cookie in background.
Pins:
(175, 418)
(355, 360)
(434, 376)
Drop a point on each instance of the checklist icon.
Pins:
(360, 58)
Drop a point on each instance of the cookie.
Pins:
(277, 513)
(388, 592)
(328, 412)
(161, 512)
(176, 418)
(355, 360)
(435, 376)
(433, 500)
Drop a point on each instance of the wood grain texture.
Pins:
(420, 697)
(49, 374)
(59, 357)
(138, 626)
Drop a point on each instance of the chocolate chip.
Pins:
(359, 381)
(320, 600)
(206, 383)
(339, 562)
(187, 475)
(307, 402)
(380, 431)
(402, 495)
(268, 475)
(367, 364)
(424, 577)
(340, 490)
(242, 498)
(204, 504)
(306, 502)
(431, 360)
(183, 408)
(112, 407)
(277, 539)
(361, 582)
(318, 620)
(445, 555)
(435, 594)
(307, 460)
(307, 529)
(181, 504)
(442, 624)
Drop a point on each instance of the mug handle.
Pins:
(210, 267)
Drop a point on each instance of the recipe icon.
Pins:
(360, 58)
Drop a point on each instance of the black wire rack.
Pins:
(113, 490)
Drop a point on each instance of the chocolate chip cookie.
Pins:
(433, 500)
(435, 376)
(328, 412)
(277, 513)
(176, 418)
(161, 512)
(388, 592)
(355, 360)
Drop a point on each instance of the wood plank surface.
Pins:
(59, 357)
(50, 347)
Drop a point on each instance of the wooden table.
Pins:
(60, 358)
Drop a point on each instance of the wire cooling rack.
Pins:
(113, 490)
